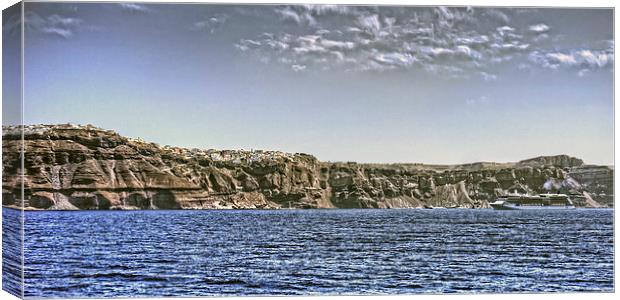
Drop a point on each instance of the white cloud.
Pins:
(477, 101)
(370, 23)
(540, 37)
(66, 33)
(445, 41)
(134, 7)
(488, 77)
(298, 68)
(561, 58)
(55, 25)
(11, 24)
(472, 40)
(323, 9)
(539, 28)
(497, 15)
(210, 24)
(398, 59)
(56, 20)
(583, 72)
(595, 58)
(301, 17)
(337, 44)
(582, 59)
(245, 45)
(289, 14)
(505, 29)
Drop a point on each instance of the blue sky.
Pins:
(344, 83)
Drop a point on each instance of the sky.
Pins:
(344, 83)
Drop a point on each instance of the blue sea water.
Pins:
(303, 252)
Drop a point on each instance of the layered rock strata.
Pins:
(83, 167)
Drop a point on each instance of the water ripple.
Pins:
(310, 252)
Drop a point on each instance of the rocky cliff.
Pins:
(84, 167)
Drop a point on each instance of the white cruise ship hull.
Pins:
(505, 206)
(526, 202)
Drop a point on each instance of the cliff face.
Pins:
(83, 167)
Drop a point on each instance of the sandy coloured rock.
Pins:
(84, 167)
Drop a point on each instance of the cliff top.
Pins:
(72, 131)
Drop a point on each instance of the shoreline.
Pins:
(293, 209)
(73, 167)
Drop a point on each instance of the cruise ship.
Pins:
(524, 202)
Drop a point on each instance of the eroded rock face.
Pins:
(83, 167)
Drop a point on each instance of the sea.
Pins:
(152, 253)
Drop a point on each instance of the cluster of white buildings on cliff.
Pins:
(234, 156)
